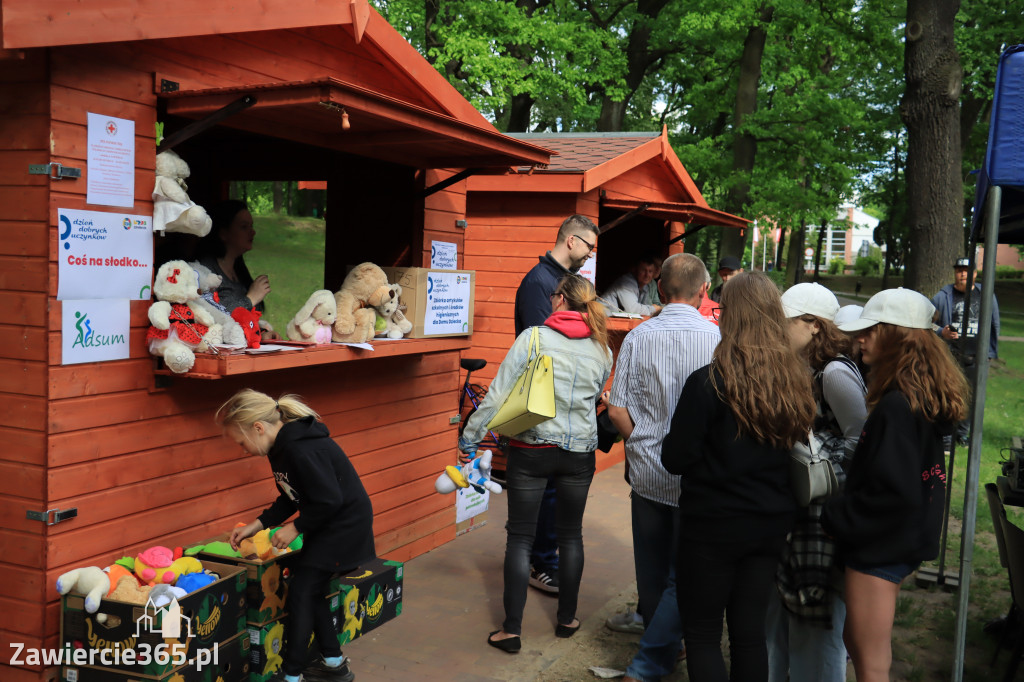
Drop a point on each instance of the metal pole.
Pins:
(988, 285)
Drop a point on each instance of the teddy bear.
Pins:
(173, 211)
(475, 473)
(364, 288)
(314, 320)
(91, 581)
(391, 322)
(231, 333)
(178, 325)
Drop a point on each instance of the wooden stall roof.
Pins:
(586, 161)
(310, 112)
(47, 23)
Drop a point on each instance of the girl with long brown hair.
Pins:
(575, 335)
(729, 438)
(887, 520)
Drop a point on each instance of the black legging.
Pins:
(308, 613)
(527, 474)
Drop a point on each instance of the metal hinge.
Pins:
(455, 419)
(55, 170)
(52, 516)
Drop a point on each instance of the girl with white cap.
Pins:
(805, 619)
(888, 518)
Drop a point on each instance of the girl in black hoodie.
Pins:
(315, 479)
(887, 520)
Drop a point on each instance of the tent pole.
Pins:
(988, 285)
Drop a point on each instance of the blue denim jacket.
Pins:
(581, 368)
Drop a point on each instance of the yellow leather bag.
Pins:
(532, 399)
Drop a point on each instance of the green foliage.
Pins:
(867, 265)
(836, 266)
(1007, 272)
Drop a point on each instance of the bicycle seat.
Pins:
(472, 364)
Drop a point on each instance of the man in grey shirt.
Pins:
(653, 364)
(624, 293)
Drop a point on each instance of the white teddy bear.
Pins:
(391, 322)
(315, 318)
(230, 332)
(173, 211)
(178, 325)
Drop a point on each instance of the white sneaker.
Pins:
(543, 581)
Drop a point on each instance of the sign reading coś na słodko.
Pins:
(94, 330)
(103, 255)
(448, 297)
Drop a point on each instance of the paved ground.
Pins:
(452, 600)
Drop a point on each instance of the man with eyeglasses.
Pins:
(576, 240)
(624, 293)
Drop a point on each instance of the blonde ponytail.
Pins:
(580, 296)
(247, 407)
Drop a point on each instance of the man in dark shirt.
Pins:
(727, 267)
(949, 316)
(577, 238)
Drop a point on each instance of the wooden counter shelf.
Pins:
(624, 324)
(209, 366)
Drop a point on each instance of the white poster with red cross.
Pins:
(110, 165)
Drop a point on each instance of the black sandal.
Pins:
(566, 631)
(510, 645)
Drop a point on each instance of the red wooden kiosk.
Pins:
(632, 185)
(247, 91)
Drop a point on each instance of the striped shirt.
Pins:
(655, 359)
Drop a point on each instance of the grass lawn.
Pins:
(291, 252)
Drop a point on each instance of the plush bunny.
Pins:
(173, 211)
(314, 320)
(178, 325)
(90, 581)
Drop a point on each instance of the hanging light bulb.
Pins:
(345, 125)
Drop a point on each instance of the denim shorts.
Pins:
(894, 573)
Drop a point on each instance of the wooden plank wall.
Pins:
(649, 181)
(146, 465)
(441, 211)
(24, 139)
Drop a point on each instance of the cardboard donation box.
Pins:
(268, 640)
(368, 596)
(437, 302)
(148, 641)
(265, 591)
(229, 662)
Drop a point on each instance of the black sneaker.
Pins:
(321, 672)
(543, 581)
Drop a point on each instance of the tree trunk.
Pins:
(822, 235)
(519, 113)
(780, 251)
(795, 262)
(931, 113)
(744, 149)
(278, 194)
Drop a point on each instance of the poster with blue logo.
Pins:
(444, 255)
(94, 330)
(448, 298)
(103, 255)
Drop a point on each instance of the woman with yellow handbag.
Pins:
(569, 352)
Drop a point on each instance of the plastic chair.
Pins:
(995, 506)
(1014, 538)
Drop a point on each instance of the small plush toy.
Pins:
(195, 581)
(128, 589)
(173, 211)
(163, 594)
(364, 289)
(90, 581)
(153, 566)
(115, 572)
(314, 320)
(231, 333)
(178, 325)
(391, 323)
(249, 321)
(475, 473)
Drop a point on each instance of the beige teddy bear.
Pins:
(364, 289)
(391, 322)
(173, 211)
(178, 324)
(314, 320)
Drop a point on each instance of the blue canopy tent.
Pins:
(998, 218)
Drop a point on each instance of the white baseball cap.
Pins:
(901, 307)
(809, 298)
(847, 313)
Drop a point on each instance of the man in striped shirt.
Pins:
(653, 364)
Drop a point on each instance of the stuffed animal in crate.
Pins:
(231, 333)
(173, 211)
(364, 289)
(391, 323)
(91, 581)
(178, 325)
(475, 473)
(315, 318)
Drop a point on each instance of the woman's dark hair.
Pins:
(828, 343)
(212, 245)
